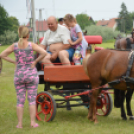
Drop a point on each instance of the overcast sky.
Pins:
(97, 9)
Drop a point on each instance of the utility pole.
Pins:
(33, 21)
(40, 21)
(54, 8)
(133, 22)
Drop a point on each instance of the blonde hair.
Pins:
(70, 18)
(23, 31)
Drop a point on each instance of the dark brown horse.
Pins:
(120, 96)
(102, 67)
(124, 43)
(85, 33)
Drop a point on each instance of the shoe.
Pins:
(18, 126)
(36, 125)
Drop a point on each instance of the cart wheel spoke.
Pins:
(103, 110)
(38, 102)
(39, 112)
(45, 98)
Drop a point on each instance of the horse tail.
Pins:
(84, 63)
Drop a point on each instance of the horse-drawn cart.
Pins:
(73, 87)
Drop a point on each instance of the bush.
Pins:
(106, 32)
(8, 37)
(2, 39)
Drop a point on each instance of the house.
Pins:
(41, 28)
(109, 23)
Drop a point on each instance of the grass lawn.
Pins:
(66, 122)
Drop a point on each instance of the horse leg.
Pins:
(128, 103)
(92, 108)
(117, 103)
(121, 99)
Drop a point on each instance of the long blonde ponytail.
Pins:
(20, 41)
(23, 31)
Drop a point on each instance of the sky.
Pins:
(97, 9)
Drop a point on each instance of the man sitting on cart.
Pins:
(56, 43)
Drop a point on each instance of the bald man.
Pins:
(56, 43)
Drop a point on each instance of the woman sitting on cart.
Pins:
(56, 43)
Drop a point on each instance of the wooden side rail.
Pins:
(60, 73)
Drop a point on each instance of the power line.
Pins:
(68, 10)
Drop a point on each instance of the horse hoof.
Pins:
(89, 117)
(131, 118)
(95, 122)
(124, 118)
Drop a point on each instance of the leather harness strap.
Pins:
(131, 60)
(128, 43)
(130, 63)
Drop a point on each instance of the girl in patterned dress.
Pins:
(77, 39)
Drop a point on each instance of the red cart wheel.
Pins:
(45, 107)
(104, 104)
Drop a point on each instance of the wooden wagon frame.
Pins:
(69, 82)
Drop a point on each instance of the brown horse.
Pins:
(102, 67)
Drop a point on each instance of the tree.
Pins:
(3, 20)
(14, 23)
(106, 32)
(124, 20)
(132, 18)
(8, 37)
(83, 20)
(7, 22)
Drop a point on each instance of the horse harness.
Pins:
(129, 44)
(126, 78)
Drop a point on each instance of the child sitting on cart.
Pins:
(77, 39)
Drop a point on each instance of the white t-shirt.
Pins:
(61, 35)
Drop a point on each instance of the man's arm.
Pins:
(65, 36)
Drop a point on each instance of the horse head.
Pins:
(85, 33)
(120, 43)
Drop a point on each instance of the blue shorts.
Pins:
(70, 51)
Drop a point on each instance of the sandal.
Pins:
(36, 125)
(18, 126)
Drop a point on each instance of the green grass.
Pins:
(106, 45)
(65, 122)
